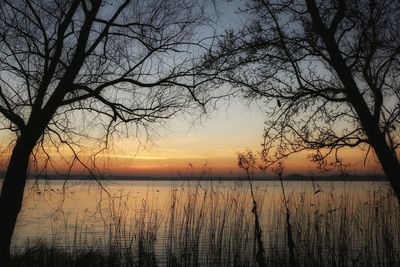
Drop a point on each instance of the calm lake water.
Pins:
(170, 216)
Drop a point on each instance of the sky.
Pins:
(185, 146)
(190, 146)
(209, 146)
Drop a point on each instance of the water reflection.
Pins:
(209, 221)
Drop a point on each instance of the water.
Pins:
(207, 216)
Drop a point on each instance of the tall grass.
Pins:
(214, 226)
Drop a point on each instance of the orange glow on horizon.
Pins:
(207, 148)
(173, 164)
(163, 164)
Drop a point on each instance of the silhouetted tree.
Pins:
(71, 70)
(328, 72)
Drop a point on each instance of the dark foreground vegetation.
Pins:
(215, 226)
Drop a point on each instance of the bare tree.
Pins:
(328, 71)
(71, 70)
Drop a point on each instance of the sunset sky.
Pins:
(189, 145)
(184, 145)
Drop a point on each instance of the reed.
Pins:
(214, 226)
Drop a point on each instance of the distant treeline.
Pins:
(290, 177)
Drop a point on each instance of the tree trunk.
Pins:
(392, 172)
(389, 162)
(369, 123)
(12, 192)
(376, 137)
